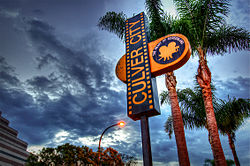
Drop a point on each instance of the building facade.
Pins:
(12, 150)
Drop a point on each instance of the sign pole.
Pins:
(137, 68)
(146, 146)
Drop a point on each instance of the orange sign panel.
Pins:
(120, 69)
(165, 54)
(168, 53)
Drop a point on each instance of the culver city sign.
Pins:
(140, 65)
(144, 61)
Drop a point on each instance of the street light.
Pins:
(121, 124)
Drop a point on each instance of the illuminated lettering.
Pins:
(139, 70)
(143, 83)
(134, 42)
(135, 53)
(135, 62)
(140, 78)
(133, 23)
(134, 33)
(139, 102)
(131, 31)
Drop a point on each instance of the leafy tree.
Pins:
(209, 162)
(68, 153)
(111, 157)
(47, 156)
(87, 156)
(32, 160)
(159, 26)
(72, 155)
(129, 160)
(229, 114)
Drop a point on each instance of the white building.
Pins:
(12, 150)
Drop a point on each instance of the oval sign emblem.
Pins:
(168, 50)
(168, 53)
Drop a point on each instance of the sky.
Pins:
(58, 83)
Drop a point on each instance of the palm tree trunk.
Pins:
(204, 79)
(177, 120)
(231, 143)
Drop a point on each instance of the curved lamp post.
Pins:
(121, 124)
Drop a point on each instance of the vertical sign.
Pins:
(142, 97)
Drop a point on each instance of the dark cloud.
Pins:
(40, 83)
(13, 4)
(238, 87)
(76, 96)
(38, 12)
(45, 60)
(4, 65)
(7, 77)
(240, 13)
(243, 8)
(85, 68)
(164, 150)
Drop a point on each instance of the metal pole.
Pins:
(104, 132)
(146, 146)
(99, 147)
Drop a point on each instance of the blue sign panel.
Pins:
(142, 97)
(169, 50)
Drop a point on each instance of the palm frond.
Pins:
(187, 10)
(191, 120)
(227, 38)
(174, 24)
(184, 7)
(164, 97)
(181, 26)
(155, 13)
(231, 114)
(215, 12)
(192, 106)
(169, 126)
(113, 22)
(205, 16)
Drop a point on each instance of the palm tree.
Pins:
(230, 114)
(192, 106)
(177, 119)
(159, 26)
(203, 22)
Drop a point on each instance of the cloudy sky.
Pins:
(58, 85)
